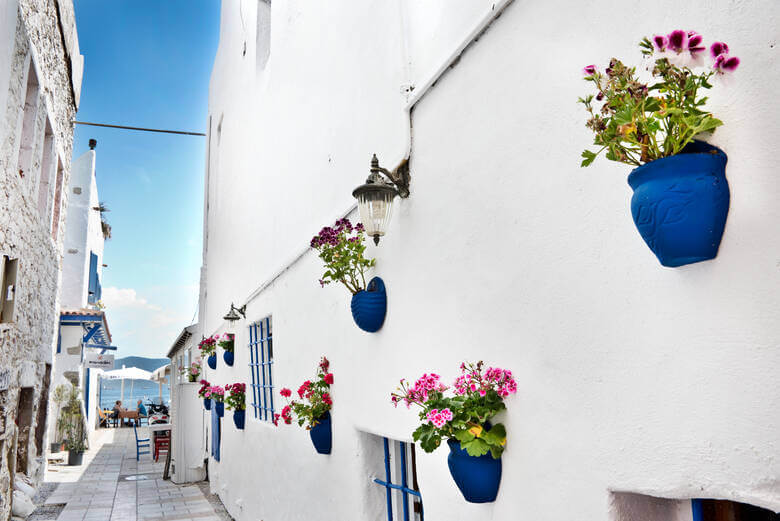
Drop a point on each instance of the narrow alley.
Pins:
(112, 485)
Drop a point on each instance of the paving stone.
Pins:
(112, 486)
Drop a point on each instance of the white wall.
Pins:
(84, 234)
(189, 420)
(632, 377)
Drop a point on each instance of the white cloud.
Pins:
(125, 297)
(146, 324)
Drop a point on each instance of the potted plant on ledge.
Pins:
(313, 409)
(341, 248)
(463, 419)
(681, 196)
(193, 371)
(226, 342)
(203, 392)
(208, 348)
(236, 402)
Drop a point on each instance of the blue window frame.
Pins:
(261, 360)
(404, 466)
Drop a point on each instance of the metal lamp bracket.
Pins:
(399, 176)
(241, 310)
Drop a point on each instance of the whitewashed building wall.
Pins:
(40, 80)
(84, 233)
(635, 381)
(81, 283)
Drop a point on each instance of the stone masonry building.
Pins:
(40, 79)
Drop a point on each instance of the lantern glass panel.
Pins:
(376, 208)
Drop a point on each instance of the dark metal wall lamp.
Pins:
(375, 197)
(232, 315)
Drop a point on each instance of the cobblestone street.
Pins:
(111, 485)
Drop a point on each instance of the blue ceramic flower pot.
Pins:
(207, 403)
(220, 408)
(239, 418)
(322, 435)
(228, 357)
(478, 478)
(212, 361)
(680, 204)
(370, 306)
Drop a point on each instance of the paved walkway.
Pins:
(111, 486)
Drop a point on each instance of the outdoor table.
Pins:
(124, 414)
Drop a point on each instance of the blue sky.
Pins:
(147, 64)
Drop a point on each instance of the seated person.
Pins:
(115, 411)
(141, 409)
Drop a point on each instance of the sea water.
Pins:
(141, 390)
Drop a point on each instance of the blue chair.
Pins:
(141, 444)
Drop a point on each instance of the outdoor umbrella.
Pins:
(160, 375)
(127, 373)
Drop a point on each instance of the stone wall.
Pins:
(27, 232)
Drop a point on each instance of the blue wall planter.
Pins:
(220, 408)
(239, 418)
(207, 403)
(680, 204)
(228, 356)
(370, 306)
(322, 435)
(212, 361)
(478, 478)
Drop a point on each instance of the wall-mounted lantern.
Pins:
(232, 315)
(375, 198)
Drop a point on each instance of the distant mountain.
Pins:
(147, 364)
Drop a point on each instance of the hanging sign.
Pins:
(5, 379)
(99, 361)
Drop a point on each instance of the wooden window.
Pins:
(9, 268)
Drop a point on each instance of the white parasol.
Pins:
(127, 373)
(160, 375)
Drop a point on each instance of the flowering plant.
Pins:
(639, 122)
(477, 396)
(204, 388)
(208, 346)
(342, 248)
(236, 400)
(193, 371)
(226, 341)
(216, 393)
(315, 399)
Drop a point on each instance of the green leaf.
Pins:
(623, 116)
(476, 447)
(464, 436)
(589, 157)
(496, 436)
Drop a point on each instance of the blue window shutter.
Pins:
(215, 434)
(93, 278)
(86, 395)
